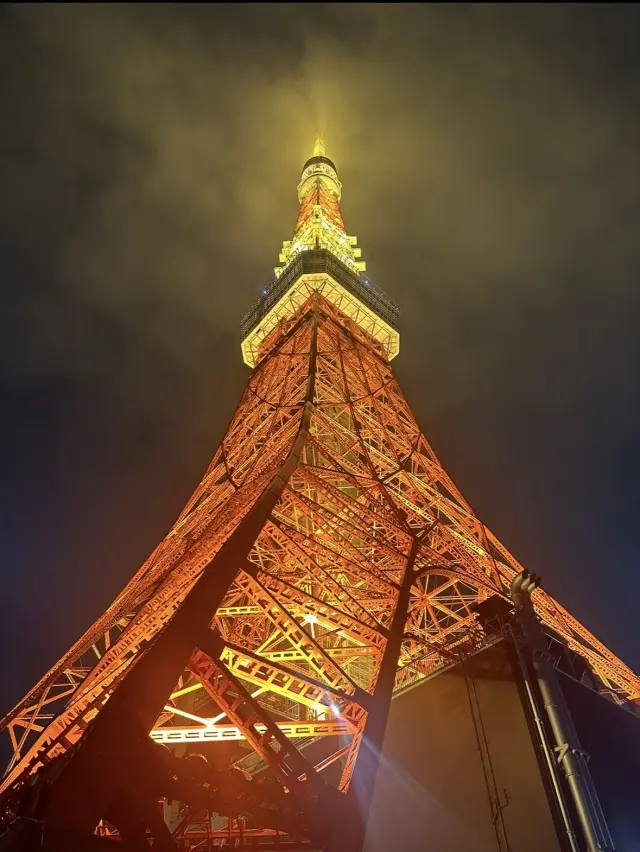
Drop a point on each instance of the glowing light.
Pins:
(321, 710)
(333, 292)
(311, 619)
(320, 148)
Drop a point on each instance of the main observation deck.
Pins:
(318, 270)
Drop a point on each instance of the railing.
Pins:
(315, 262)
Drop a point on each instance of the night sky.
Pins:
(148, 162)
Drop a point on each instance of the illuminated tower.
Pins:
(324, 560)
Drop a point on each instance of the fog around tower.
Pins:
(156, 152)
(149, 163)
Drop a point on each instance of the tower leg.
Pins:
(113, 751)
(111, 758)
(351, 835)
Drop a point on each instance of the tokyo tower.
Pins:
(324, 562)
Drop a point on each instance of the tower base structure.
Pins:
(463, 766)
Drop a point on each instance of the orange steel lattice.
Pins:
(357, 561)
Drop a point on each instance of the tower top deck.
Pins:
(320, 257)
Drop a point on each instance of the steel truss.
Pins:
(308, 615)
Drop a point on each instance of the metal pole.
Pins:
(546, 748)
(569, 754)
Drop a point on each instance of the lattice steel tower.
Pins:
(324, 561)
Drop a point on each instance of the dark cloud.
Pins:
(149, 161)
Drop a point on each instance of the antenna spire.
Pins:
(320, 147)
